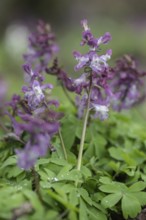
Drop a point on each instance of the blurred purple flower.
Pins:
(101, 111)
(40, 133)
(42, 47)
(34, 121)
(35, 148)
(127, 84)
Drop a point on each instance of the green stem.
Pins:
(84, 130)
(62, 144)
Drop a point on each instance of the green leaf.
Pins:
(64, 171)
(72, 175)
(114, 187)
(67, 188)
(141, 196)
(137, 186)
(68, 133)
(58, 161)
(42, 161)
(116, 153)
(51, 215)
(110, 200)
(74, 197)
(13, 172)
(115, 166)
(86, 172)
(130, 206)
(85, 195)
(10, 161)
(105, 180)
(83, 210)
(95, 214)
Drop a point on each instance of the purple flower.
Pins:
(40, 133)
(34, 94)
(90, 40)
(99, 63)
(27, 158)
(95, 76)
(93, 60)
(127, 84)
(82, 59)
(94, 81)
(33, 150)
(33, 118)
(42, 47)
(30, 75)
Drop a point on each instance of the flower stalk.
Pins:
(79, 162)
(62, 144)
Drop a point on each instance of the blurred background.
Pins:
(124, 19)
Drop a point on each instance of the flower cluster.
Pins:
(96, 74)
(127, 84)
(42, 47)
(37, 119)
(34, 93)
(40, 133)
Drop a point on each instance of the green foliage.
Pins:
(130, 201)
(112, 177)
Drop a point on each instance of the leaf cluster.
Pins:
(111, 180)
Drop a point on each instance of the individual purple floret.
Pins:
(34, 94)
(42, 47)
(30, 75)
(127, 84)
